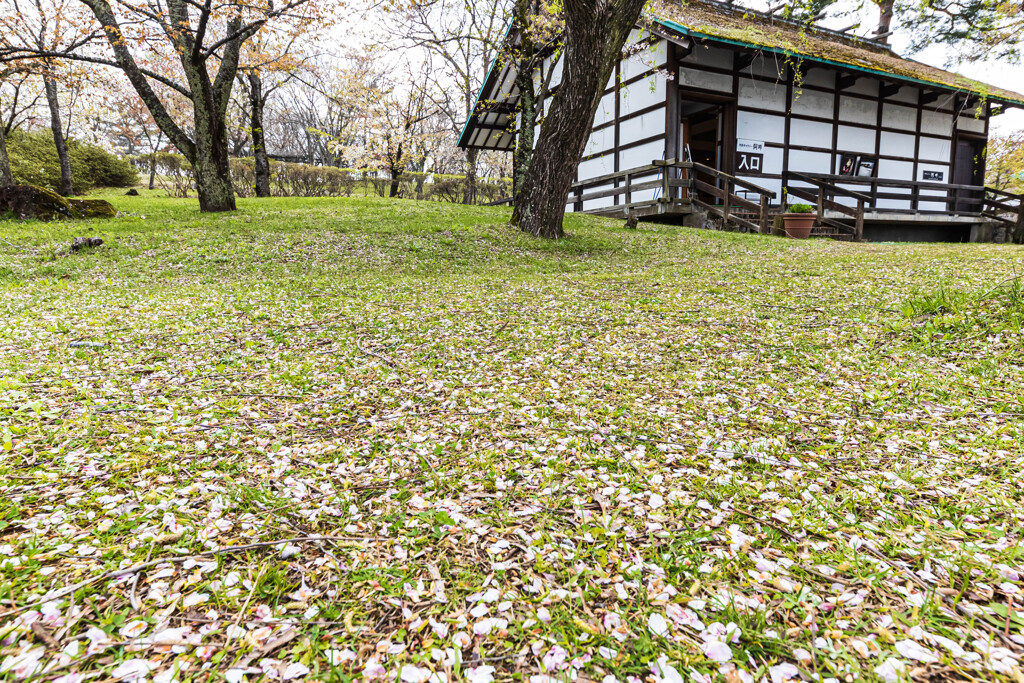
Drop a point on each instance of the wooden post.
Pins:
(629, 189)
(821, 204)
(579, 198)
(765, 226)
(725, 202)
(859, 228)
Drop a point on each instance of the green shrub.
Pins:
(34, 162)
(801, 208)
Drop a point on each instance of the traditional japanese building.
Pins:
(728, 113)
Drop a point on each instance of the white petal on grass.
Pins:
(911, 649)
(657, 625)
(132, 669)
(891, 670)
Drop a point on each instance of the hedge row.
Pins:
(34, 162)
(305, 180)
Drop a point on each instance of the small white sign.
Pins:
(750, 146)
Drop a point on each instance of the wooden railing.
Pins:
(679, 185)
(923, 197)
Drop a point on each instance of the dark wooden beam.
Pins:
(927, 97)
(846, 81)
(889, 89)
(741, 60)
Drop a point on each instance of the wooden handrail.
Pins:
(733, 179)
(819, 181)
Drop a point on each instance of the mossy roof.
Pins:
(741, 27)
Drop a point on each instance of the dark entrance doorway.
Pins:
(969, 169)
(702, 137)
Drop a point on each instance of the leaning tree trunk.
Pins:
(469, 194)
(210, 168)
(50, 86)
(6, 177)
(595, 32)
(259, 141)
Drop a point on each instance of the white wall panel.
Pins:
(600, 202)
(896, 116)
(644, 93)
(895, 170)
(772, 161)
(898, 144)
(640, 127)
(710, 56)
(770, 184)
(852, 139)
(605, 109)
(857, 110)
(937, 123)
(813, 103)
(811, 134)
(767, 66)
(644, 61)
(762, 95)
(971, 124)
(934, 149)
(864, 86)
(908, 94)
(754, 126)
(823, 78)
(598, 166)
(600, 141)
(641, 155)
(705, 80)
(809, 162)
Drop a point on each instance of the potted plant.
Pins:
(799, 221)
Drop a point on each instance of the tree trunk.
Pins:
(594, 35)
(259, 141)
(152, 160)
(885, 12)
(50, 86)
(523, 152)
(469, 196)
(6, 177)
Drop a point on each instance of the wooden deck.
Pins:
(845, 204)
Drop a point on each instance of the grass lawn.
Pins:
(348, 439)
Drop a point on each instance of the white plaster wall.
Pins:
(936, 123)
(809, 162)
(934, 149)
(598, 166)
(942, 168)
(857, 110)
(762, 95)
(756, 126)
(813, 103)
(971, 124)
(907, 94)
(898, 144)
(600, 141)
(641, 155)
(811, 134)
(644, 126)
(824, 78)
(864, 86)
(705, 80)
(605, 109)
(651, 58)
(896, 116)
(852, 139)
(710, 56)
(644, 93)
(895, 170)
(767, 66)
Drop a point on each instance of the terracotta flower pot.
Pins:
(799, 225)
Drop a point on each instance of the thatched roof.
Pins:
(745, 28)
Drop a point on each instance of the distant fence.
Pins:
(306, 180)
